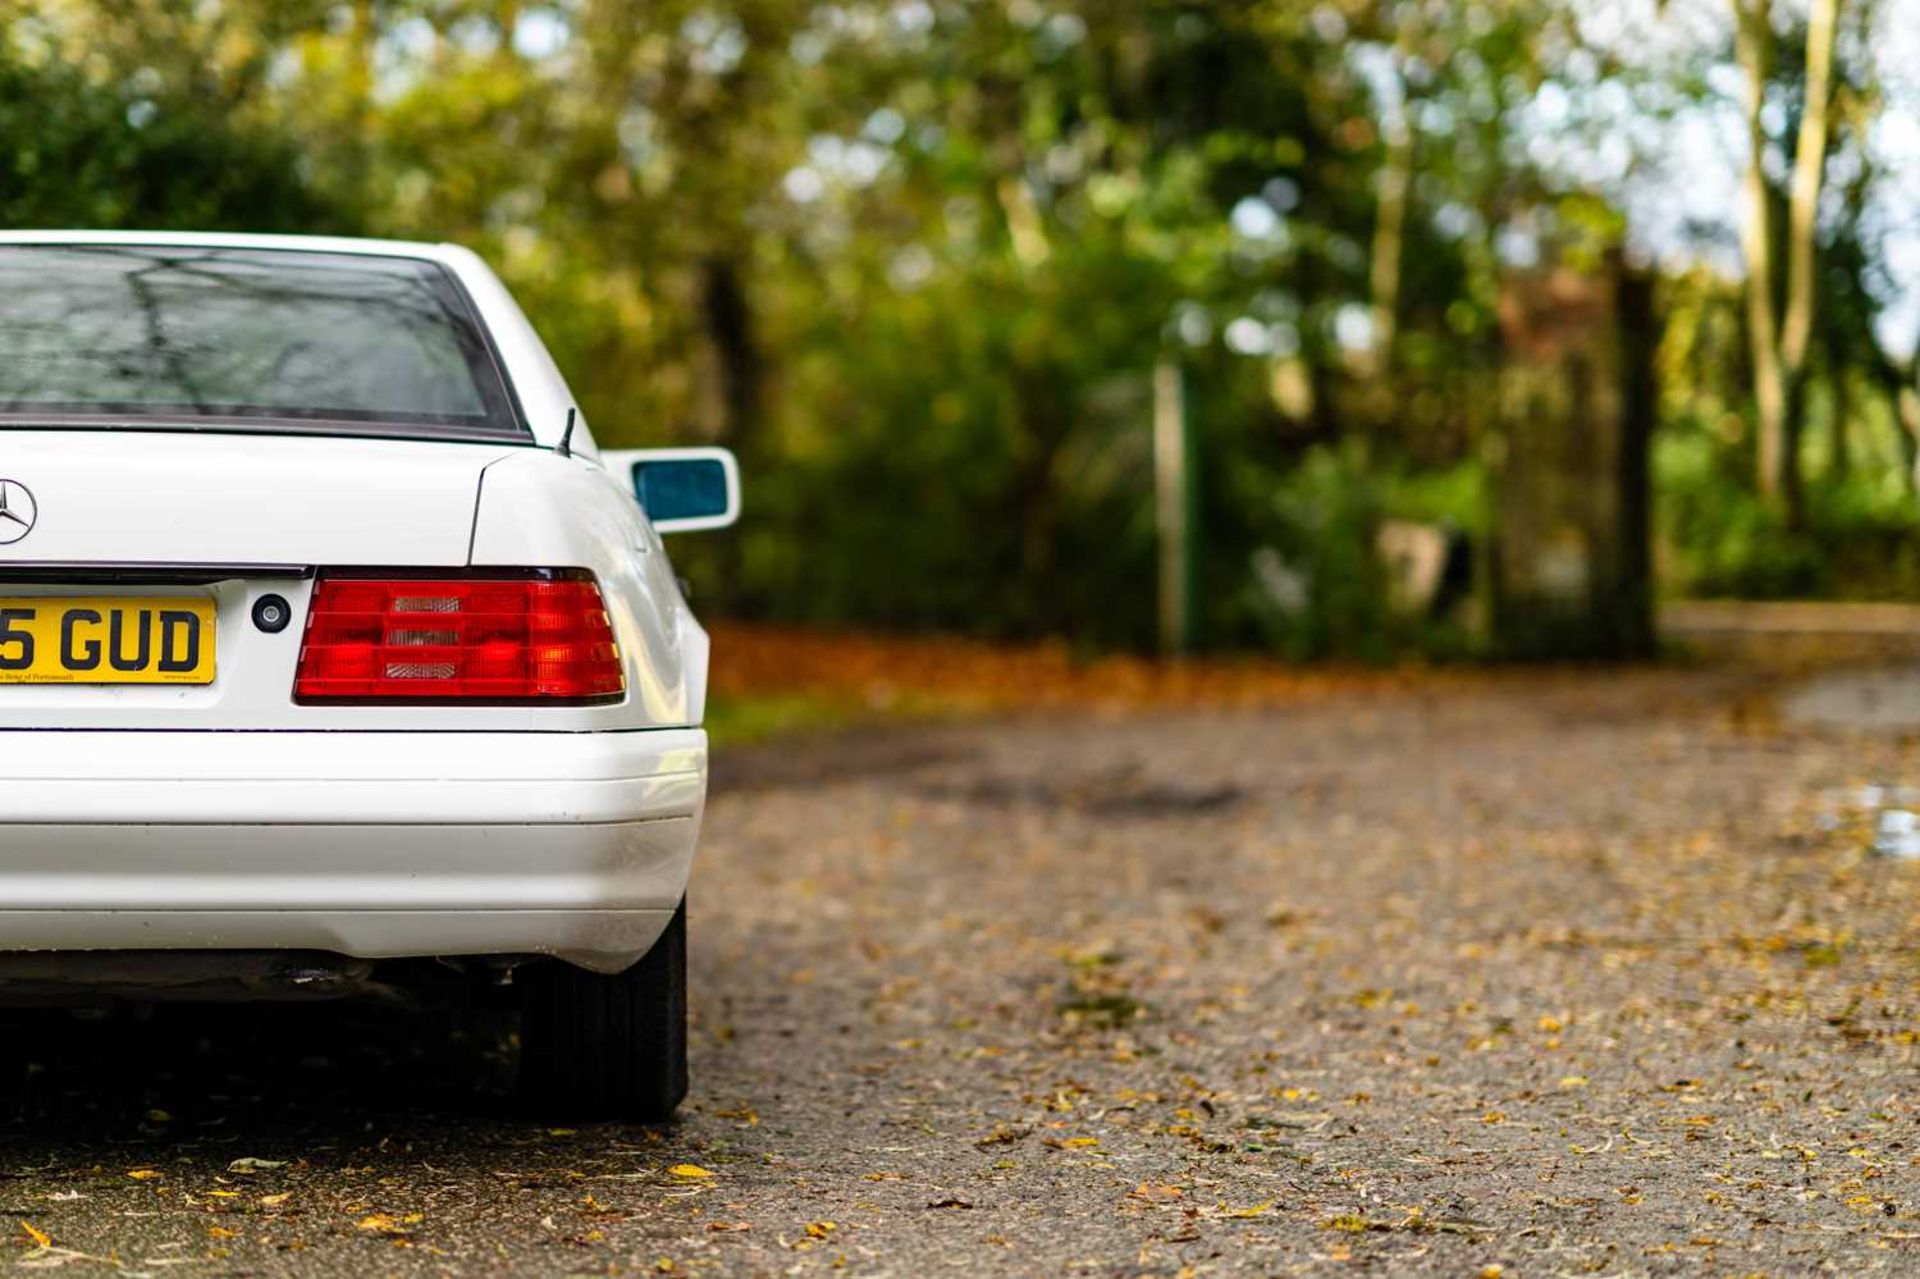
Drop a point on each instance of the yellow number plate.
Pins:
(112, 639)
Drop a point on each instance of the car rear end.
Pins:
(313, 654)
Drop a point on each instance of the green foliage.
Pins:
(1319, 587)
(1861, 538)
(737, 721)
(79, 153)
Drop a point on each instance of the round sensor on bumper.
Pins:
(271, 613)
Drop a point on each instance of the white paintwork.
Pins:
(396, 778)
(625, 463)
(227, 816)
(537, 507)
(175, 498)
(346, 839)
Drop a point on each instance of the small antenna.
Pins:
(565, 447)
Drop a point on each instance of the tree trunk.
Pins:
(1809, 176)
(737, 366)
(1908, 404)
(1631, 614)
(1754, 43)
(1173, 508)
(1045, 420)
(1571, 572)
(1780, 329)
(1840, 465)
(1389, 239)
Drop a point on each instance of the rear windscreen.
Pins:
(248, 338)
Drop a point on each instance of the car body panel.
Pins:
(128, 839)
(537, 507)
(172, 498)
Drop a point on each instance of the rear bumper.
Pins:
(373, 845)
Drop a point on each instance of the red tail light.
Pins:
(458, 639)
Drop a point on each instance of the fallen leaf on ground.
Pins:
(1147, 1190)
(692, 1172)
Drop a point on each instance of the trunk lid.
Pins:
(140, 497)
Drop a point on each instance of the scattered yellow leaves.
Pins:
(1573, 1081)
(691, 1172)
(274, 1201)
(1259, 1210)
(1071, 1143)
(1149, 1191)
(821, 1229)
(1350, 1222)
(146, 1174)
(221, 1232)
(388, 1224)
(40, 1237)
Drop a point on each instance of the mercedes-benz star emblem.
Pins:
(18, 511)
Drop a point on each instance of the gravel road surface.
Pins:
(1538, 975)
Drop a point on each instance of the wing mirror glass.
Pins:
(683, 490)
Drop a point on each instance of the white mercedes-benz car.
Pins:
(329, 640)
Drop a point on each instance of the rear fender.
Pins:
(540, 509)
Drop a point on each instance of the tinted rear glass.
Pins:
(249, 338)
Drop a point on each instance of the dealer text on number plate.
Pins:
(115, 639)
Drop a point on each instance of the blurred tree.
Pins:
(110, 138)
(1782, 286)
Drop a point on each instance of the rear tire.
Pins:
(608, 1047)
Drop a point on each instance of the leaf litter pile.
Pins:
(1536, 975)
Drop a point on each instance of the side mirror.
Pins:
(681, 490)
